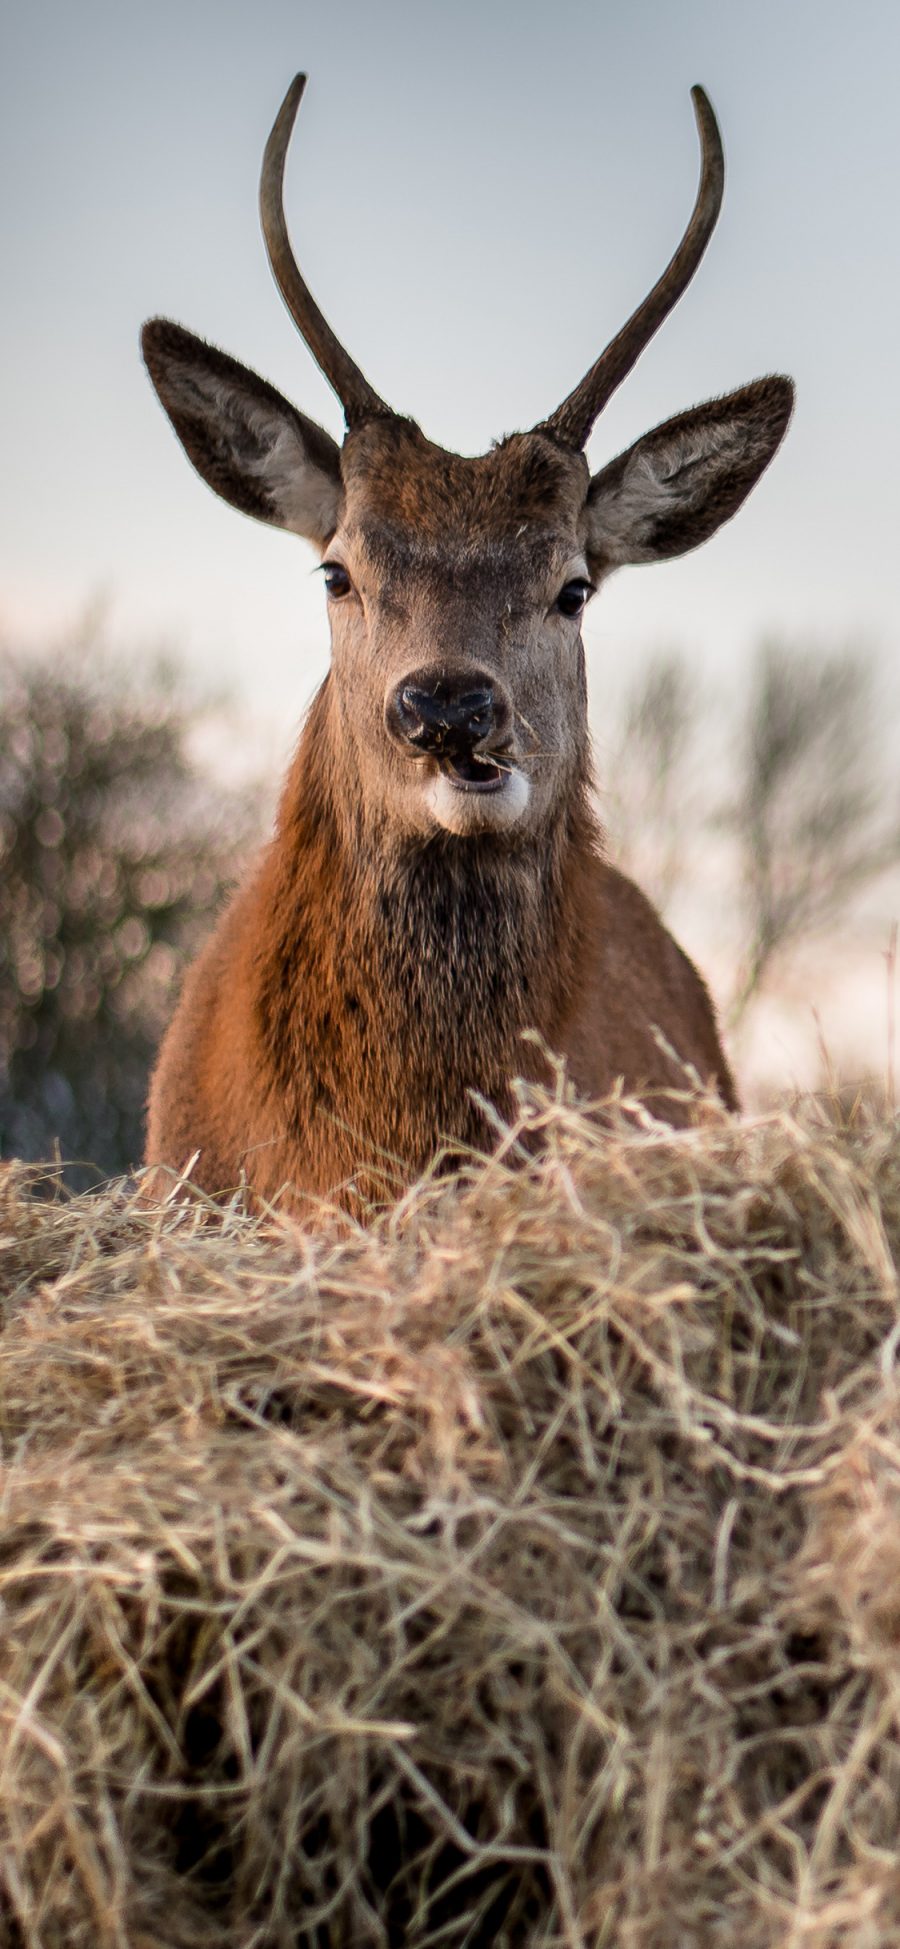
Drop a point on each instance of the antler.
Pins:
(360, 401)
(573, 420)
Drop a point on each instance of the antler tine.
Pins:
(360, 401)
(573, 420)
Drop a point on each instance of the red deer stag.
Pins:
(436, 883)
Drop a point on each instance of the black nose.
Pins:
(443, 717)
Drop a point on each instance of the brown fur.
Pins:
(361, 989)
(372, 984)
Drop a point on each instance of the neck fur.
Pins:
(399, 977)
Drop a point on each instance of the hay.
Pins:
(523, 1571)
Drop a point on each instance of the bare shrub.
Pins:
(781, 811)
(815, 815)
(113, 858)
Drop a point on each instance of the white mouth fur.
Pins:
(462, 808)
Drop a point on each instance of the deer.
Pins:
(435, 911)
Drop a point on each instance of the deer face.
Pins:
(456, 589)
(456, 586)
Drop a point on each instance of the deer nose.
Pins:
(443, 717)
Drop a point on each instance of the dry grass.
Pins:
(523, 1571)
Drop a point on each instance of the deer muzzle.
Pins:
(461, 722)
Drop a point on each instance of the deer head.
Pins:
(456, 586)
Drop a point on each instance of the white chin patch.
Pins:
(461, 811)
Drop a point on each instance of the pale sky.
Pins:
(479, 193)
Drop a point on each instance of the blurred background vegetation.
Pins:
(115, 852)
(766, 827)
(760, 824)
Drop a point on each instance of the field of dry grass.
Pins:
(524, 1570)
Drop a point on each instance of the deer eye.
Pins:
(572, 598)
(337, 581)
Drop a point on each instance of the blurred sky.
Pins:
(479, 193)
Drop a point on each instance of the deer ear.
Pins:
(249, 445)
(677, 485)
